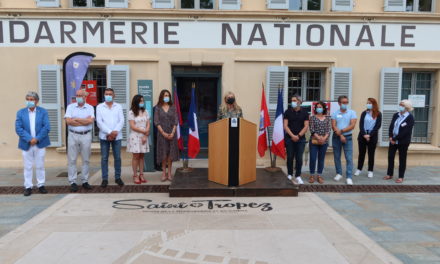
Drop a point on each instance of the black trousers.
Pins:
(403, 150)
(365, 145)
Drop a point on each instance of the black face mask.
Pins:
(230, 100)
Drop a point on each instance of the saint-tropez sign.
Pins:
(218, 34)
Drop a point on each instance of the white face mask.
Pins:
(166, 99)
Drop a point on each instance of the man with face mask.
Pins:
(79, 117)
(32, 126)
(110, 119)
(343, 123)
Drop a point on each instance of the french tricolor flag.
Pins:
(278, 147)
(193, 137)
(180, 122)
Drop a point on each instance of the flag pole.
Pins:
(273, 160)
(185, 162)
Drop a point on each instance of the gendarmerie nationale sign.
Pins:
(217, 34)
(202, 205)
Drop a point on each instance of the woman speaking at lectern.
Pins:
(229, 107)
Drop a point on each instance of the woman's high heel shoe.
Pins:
(136, 179)
(141, 178)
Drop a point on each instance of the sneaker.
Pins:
(73, 187)
(289, 177)
(349, 181)
(104, 183)
(370, 174)
(119, 182)
(42, 190)
(338, 177)
(299, 180)
(357, 173)
(86, 186)
(27, 191)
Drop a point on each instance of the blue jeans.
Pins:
(294, 150)
(348, 153)
(317, 151)
(105, 151)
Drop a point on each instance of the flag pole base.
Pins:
(185, 168)
(272, 169)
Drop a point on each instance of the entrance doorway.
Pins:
(208, 97)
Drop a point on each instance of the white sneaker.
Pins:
(299, 180)
(289, 177)
(357, 173)
(370, 174)
(337, 177)
(349, 181)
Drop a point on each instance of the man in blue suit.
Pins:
(32, 126)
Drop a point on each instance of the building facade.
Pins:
(320, 49)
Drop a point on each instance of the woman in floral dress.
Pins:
(139, 120)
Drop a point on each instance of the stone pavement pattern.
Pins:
(406, 224)
(89, 228)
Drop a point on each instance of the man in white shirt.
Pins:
(32, 126)
(79, 117)
(110, 119)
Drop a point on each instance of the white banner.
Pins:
(218, 35)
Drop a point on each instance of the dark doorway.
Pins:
(207, 92)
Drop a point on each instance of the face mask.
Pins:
(79, 100)
(230, 100)
(294, 104)
(141, 105)
(369, 106)
(166, 99)
(319, 110)
(401, 109)
(108, 98)
(30, 104)
(344, 106)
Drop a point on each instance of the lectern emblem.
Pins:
(234, 122)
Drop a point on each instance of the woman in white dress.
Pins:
(137, 143)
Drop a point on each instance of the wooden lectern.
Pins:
(232, 152)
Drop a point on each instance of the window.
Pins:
(100, 76)
(88, 3)
(197, 4)
(305, 5)
(420, 83)
(419, 5)
(307, 84)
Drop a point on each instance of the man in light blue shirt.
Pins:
(343, 123)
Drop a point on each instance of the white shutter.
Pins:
(342, 5)
(118, 78)
(116, 3)
(278, 4)
(341, 83)
(48, 3)
(390, 93)
(50, 90)
(230, 4)
(395, 5)
(163, 3)
(276, 77)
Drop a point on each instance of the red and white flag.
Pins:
(193, 137)
(264, 123)
(278, 147)
(180, 121)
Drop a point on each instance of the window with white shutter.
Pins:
(341, 83)
(278, 4)
(50, 90)
(118, 78)
(276, 78)
(395, 5)
(230, 4)
(390, 94)
(116, 3)
(48, 3)
(163, 3)
(342, 5)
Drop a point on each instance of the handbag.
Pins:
(315, 141)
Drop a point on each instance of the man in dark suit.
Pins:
(400, 133)
(32, 126)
